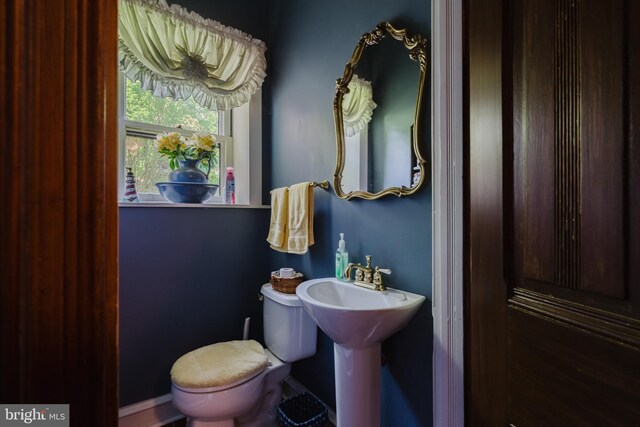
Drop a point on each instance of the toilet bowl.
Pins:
(249, 401)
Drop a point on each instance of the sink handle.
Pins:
(377, 278)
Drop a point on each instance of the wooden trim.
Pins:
(59, 216)
(567, 145)
(611, 326)
(447, 157)
(485, 232)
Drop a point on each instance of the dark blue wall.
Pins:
(188, 278)
(249, 16)
(310, 43)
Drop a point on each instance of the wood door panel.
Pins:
(622, 330)
(603, 120)
(485, 405)
(633, 152)
(552, 280)
(554, 367)
(534, 124)
(569, 117)
(58, 207)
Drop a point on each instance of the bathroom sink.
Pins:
(356, 317)
(357, 320)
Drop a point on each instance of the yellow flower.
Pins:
(203, 141)
(169, 141)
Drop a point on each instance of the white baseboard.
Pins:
(159, 411)
(150, 413)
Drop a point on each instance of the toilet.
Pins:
(238, 383)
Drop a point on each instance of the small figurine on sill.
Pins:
(130, 192)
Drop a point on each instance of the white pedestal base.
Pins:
(357, 386)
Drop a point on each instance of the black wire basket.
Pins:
(303, 410)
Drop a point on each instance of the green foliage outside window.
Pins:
(143, 107)
(149, 166)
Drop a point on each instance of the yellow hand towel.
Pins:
(300, 218)
(278, 236)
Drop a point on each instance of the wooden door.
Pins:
(58, 207)
(552, 280)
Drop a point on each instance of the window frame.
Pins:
(149, 130)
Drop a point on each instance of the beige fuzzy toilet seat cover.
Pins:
(219, 364)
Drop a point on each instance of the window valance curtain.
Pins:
(357, 106)
(176, 53)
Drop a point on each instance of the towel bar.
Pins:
(322, 184)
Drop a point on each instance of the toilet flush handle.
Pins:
(245, 331)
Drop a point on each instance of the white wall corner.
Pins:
(447, 158)
(247, 151)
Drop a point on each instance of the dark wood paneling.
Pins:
(9, 214)
(486, 405)
(560, 376)
(533, 134)
(58, 216)
(570, 115)
(553, 155)
(632, 11)
(622, 330)
(603, 122)
(567, 111)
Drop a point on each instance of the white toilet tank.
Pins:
(289, 332)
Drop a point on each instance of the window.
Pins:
(179, 55)
(146, 115)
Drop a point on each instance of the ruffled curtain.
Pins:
(176, 53)
(357, 106)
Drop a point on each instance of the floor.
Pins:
(183, 423)
(287, 391)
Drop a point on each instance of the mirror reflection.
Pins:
(377, 152)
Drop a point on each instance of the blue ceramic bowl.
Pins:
(186, 192)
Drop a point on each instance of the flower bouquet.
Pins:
(187, 182)
(198, 147)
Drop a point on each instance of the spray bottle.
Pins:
(230, 188)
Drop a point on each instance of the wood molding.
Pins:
(447, 159)
(58, 216)
(611, 326)
(486, 235)
(567, 147)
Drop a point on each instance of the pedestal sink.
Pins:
(357, 320)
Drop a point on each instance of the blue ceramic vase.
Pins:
(188, 184)
(188, 171)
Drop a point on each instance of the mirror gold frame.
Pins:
(417, 47)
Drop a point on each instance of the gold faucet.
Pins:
(366, 276)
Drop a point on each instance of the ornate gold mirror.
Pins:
(378, 111)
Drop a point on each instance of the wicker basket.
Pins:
(286, 285)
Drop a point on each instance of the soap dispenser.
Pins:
(342, 258)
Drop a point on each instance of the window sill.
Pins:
(188, 205)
